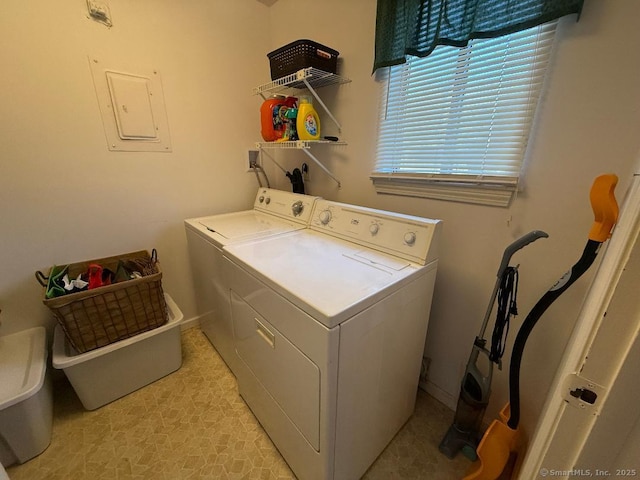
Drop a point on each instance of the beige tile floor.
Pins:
(193, 424)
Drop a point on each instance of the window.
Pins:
(454, 125)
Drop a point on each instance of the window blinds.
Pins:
(463, 115)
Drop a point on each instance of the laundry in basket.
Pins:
(105, 314)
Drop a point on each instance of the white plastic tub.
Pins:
(26, 400)
(113, 371)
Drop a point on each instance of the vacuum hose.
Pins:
(588, 256)
(605, 210)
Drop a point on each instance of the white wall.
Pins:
(63, 196)
(588, 125)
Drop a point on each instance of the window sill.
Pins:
(494, 191)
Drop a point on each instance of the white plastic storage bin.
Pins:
(26, 401)
(105, 374)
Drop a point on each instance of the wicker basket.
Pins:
(302, 54)
(94, 318)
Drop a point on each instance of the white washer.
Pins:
(274, 212)
(329, 324)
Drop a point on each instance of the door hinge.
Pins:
(583, 393)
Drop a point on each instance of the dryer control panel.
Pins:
(405, 236)
(293, 206)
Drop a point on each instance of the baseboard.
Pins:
(190, 323)
(439, 394)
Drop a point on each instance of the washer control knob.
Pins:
(267, 200)
(261, 198)
(297, 208)
(410, 238)
(374, 228)
(325, 217)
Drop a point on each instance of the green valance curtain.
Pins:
(416, 27)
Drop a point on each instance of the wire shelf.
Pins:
(314, 77)
(311, 79)
(296, 145)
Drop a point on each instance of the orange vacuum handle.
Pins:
(605, 207)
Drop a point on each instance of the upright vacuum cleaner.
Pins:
(500, 446)
(465, 432)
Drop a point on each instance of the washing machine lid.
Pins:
(330, 279)
(249, 224)
(274, 212)
(241, 226)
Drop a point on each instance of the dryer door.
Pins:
(291, 378)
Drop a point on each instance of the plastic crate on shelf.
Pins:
(302, 54)
(100, 316)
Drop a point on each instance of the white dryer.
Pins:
(329, 324)
(274, 212)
